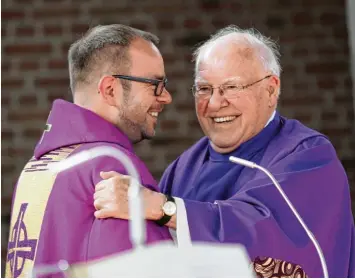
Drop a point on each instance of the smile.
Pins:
(153, 113)
(224, 119)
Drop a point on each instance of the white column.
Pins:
(350, 9)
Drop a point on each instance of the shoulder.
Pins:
(295, 136)
(297, 142)
(111, 159)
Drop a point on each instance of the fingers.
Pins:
(109, 174)
(101, 185)
(103, 213)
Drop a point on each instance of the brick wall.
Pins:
(316, 83)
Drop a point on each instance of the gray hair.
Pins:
(103, 45)
(267, 50)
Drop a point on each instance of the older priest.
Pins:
(237, 85)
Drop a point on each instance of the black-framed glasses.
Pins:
(159, 84)
(228, 90)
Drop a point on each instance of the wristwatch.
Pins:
(169, 209)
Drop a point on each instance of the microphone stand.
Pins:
(252, 165)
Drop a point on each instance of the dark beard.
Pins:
(135, 130)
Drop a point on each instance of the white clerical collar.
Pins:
(271, 118)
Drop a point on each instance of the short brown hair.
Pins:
(108, 43)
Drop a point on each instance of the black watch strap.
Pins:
(166, 218)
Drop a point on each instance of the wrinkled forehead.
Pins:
(228, 60)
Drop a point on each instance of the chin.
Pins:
(224, 146)
(148, 135)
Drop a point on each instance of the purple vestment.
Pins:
(57, 211)
(226, 202)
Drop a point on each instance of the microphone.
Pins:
(252, 165)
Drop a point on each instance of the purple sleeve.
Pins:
(166, 182)
(259, 218)
(109, 236)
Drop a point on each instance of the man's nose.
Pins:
(165, 97)
(216, 101)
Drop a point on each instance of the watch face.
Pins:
(169, 208)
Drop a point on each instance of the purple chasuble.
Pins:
(226, 202)
(59, 208)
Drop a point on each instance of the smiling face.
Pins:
(229, 122)
(139, 107)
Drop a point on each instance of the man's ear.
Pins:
(109, 88)
(273, 90)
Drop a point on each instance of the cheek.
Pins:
(201, 107)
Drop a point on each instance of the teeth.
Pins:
(224, 119)
(153, 113)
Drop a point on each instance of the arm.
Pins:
(111, 235)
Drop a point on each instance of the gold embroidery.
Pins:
(268, 267)
(32, 193)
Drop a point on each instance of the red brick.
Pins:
(326, 50)
(13, 152)
(168, 125)
(11, 83)
(13, 14)
(302, 18)
(52, 30)
(302, 101)
(7, 134)
(161, 9)
(336, 132)
(25, 31)
(112, 11)
(29, 65)
(218, 23)
(343, 99)
(57, 64)
(165, 24)
(330, 116)
(32, 133)
(5, 100)
(28, 49)
(314, 4)
(141, 25)
(5, 66)
(27, 100)
(52, 82)
(327, 67)
(232, 6)
(192, 23)
(27, 115)
(210, 5)
(58, 12)
(7, 169)
(330, 18)
(80, 28)
(304, 117)
(184, 107)
(327, 83)
(300, 52)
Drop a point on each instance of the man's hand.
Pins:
(111, 198)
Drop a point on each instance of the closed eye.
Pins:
(231, 87)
